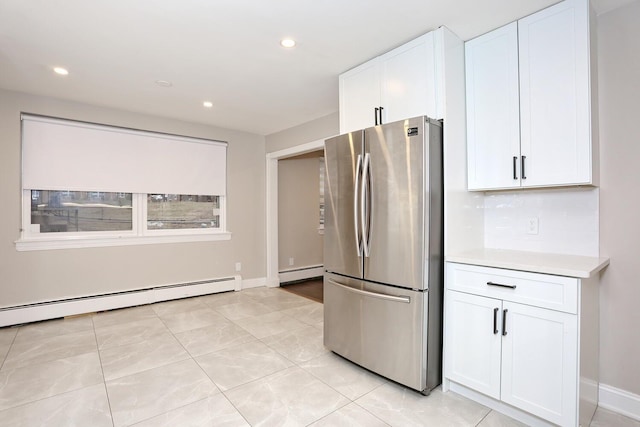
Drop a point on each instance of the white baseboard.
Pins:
(620, 401)
(254, 283)
(516, 414)
(89, 304)
(301, 273)
(610, 398)
(273, 282)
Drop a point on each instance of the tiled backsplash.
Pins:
(568, 221)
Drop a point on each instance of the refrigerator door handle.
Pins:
(394, 298)
(356, 224)
(364, 211)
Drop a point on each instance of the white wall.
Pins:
(298, 212)
(619, 91)
(321, 128)
(27, 277)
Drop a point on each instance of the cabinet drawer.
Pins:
(540, 290)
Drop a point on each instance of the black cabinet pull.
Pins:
(375, 116)
(501, 285)
(495, 320)
(515, 161)
(504, 322)
(380, 110)
(522, 168)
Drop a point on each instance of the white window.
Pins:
(92, 185)
(182, 212)
(80, 211)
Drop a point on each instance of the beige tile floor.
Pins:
(235, 359)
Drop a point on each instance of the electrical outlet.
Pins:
(532, 225)
(238, 266)
(290, 261)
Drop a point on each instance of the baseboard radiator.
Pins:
(88, 304)
(303, 273)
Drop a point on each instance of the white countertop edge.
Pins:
(557, 264)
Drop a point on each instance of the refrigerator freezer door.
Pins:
(342, 233)
(395, 183)
(379, 327)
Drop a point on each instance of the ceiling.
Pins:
(223, 51)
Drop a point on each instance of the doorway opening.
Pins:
(286, 267)
(301, 223)
(309, 288)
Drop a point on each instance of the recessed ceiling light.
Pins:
(164, 83)
(207, 104)
(287, 43)
(61, 71)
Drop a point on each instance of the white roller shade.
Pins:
(67, 155)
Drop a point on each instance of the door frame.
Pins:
(273, 280)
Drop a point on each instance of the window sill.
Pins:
(42, 244)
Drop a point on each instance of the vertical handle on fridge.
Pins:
(356, 224)
(365, 214)
(365, 204)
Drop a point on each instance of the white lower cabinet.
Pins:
(539, 362)
(474, 356)
(516, 353)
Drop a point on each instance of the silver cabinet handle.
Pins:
(394, 298)
(501, 285)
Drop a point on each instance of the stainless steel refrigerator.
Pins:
(383, 250)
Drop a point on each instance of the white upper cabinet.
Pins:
(400, 84)
(555, 102)
(360, 96)
(409, 80)
(493, 109)
(535, 133)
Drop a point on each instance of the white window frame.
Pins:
(139, 235)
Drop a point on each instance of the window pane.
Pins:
(180, 211)
(73, 211)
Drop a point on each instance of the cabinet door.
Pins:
(472, 345)
(539, 362)
(409, 80)
(493, 120)
(359, 96)
(555, 95)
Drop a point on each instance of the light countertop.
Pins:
(560, 265)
